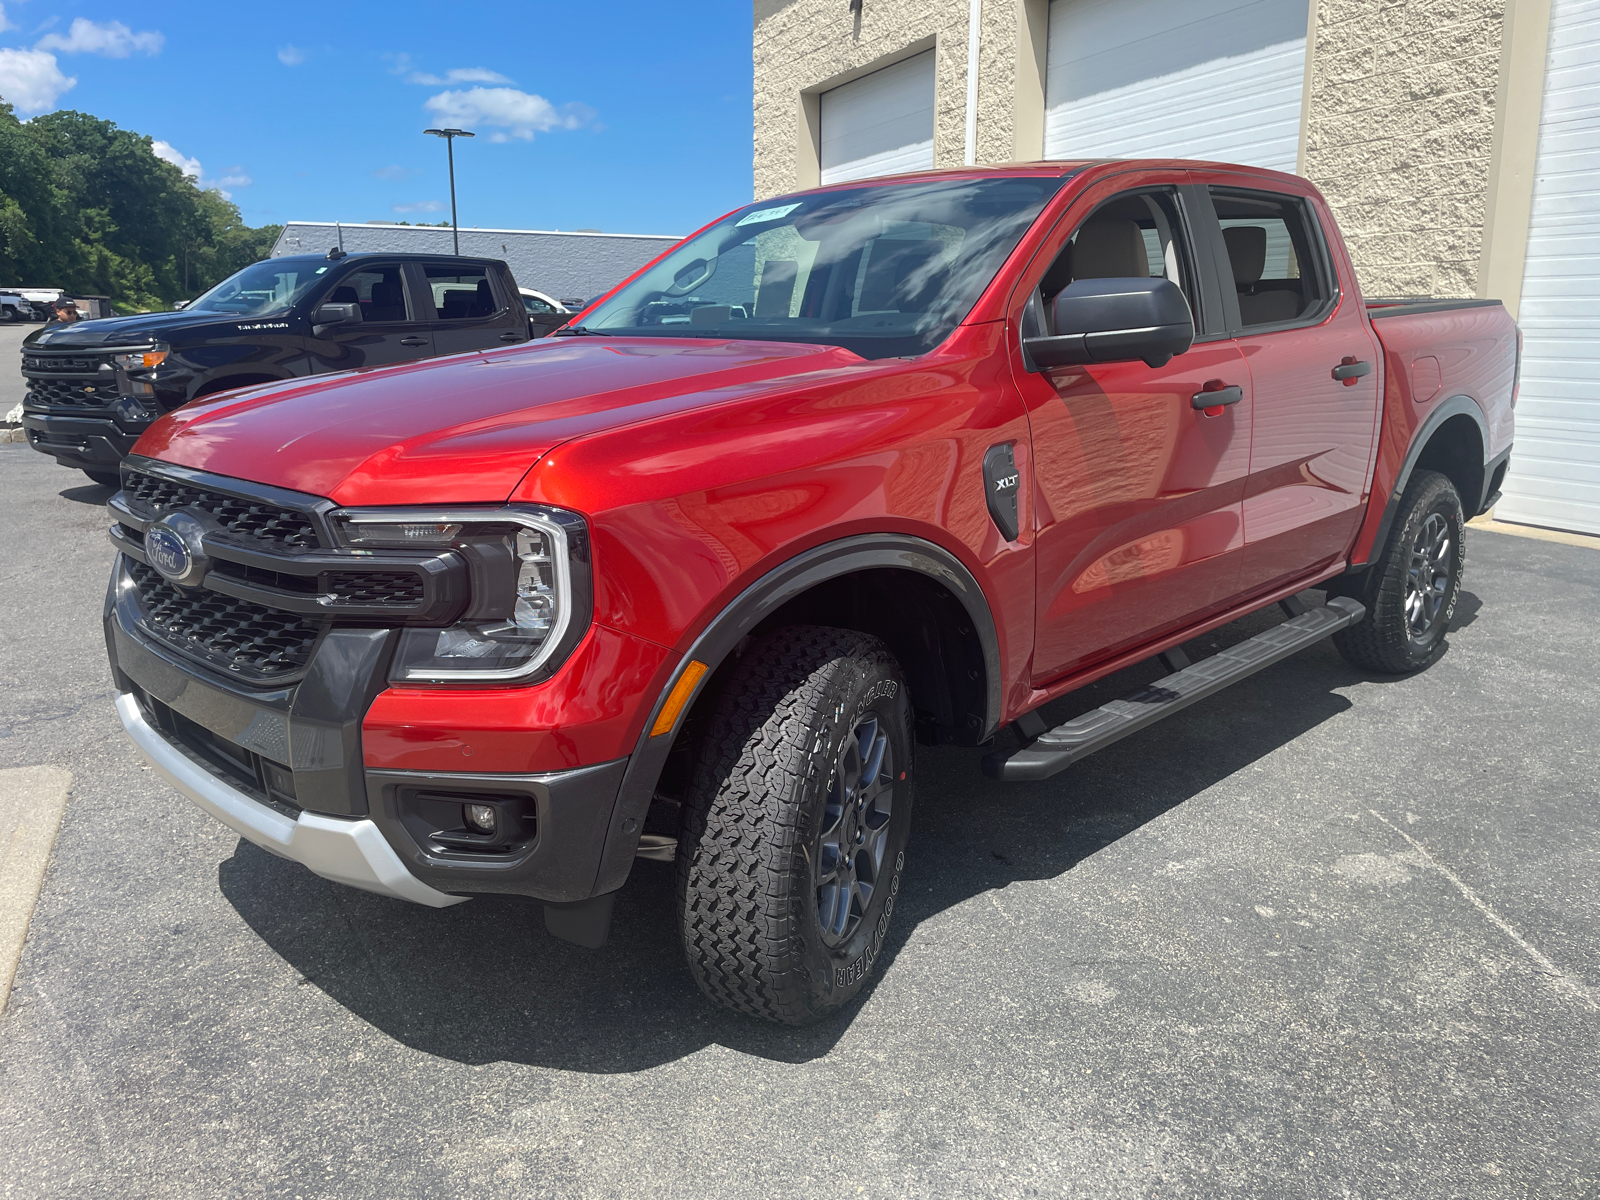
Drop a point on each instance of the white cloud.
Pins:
(111, 40)
(232, 178)
(32, 80)
(395, 174)
(291, 56)
(5, 24)
(458, 75)
(519, 114)
(167, 152)
(421, 206)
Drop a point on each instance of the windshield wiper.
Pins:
(573, 331)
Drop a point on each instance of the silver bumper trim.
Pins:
(352, 852)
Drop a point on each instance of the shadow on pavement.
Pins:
(89, 493)
(483, 982)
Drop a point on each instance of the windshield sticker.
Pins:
(767, 214)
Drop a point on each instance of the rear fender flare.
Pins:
(1455, 406)
(758, 601)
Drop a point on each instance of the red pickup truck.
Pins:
(891, 462)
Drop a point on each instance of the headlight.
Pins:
(530, 588)
(142, 360)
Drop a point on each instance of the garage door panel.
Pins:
(1215, 79)
(1555, 469)
(880, 124)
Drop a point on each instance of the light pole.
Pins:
(450, 136)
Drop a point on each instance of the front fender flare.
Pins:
(758, 601)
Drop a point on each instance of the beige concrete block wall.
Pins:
(804, 47)
(1400, 132)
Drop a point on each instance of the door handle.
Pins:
(1216, 396)
(1350, 369)
(510, 337)
(413, 341)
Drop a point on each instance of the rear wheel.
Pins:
(1411, 590)
(108, 479)
(795, 825)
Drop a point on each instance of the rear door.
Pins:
(1314, 369)
(474, 309)
(1137, 492)
(391, 330)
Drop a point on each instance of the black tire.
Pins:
(108, 479)
(768, 809)
(1411, 590)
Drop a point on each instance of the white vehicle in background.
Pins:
(545, 313)
(27, 303)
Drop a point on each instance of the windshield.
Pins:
(884, 270)
(261, 289)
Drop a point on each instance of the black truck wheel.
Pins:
(795, 824)
(1411, 590)
(110, 479)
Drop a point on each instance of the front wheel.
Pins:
(1411, 590)
(795, 825)
(108, 479)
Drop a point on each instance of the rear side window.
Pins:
(534, 305)
(1276, 258)
(376, 289)
(462, 294)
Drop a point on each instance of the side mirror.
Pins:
(337, 314)
(1114, 320)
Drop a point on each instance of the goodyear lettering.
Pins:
(883, 689)
(858, 969)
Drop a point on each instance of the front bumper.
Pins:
(283, 767)
(351, 852)
(87, 443)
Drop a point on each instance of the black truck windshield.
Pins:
(883, 270)
(263, 288)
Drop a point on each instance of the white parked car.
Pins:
(544, 312)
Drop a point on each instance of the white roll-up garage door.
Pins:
(1217, 79)
(1555, 468)
(880, 124)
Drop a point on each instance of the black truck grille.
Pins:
(243, 518)
(376, 589)
(235, 635)
(83, 392)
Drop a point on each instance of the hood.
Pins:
(463, 429)
(136, 330)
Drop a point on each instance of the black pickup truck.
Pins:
(95, 386)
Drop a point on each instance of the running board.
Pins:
(1056, 749)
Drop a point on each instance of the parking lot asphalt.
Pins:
(1323, 935)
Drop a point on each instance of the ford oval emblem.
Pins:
(167, 553)
(175, 546)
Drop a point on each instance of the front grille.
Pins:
(235, 635)
(375, 589)
(72, 393)
(61, 365)
(243, 518)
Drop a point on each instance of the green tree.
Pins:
(89, 207)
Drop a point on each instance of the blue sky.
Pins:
(626, 116)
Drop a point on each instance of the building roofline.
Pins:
(674, 237)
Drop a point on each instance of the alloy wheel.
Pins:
(855, 827)
(1428, 577)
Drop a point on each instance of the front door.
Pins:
(1137, 492)
(1314, 370)
(391, 329)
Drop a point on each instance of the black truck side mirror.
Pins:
(1114, 320)
(336, 314)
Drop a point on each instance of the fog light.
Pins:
(479, 817)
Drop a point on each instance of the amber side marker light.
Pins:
(681, 691)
